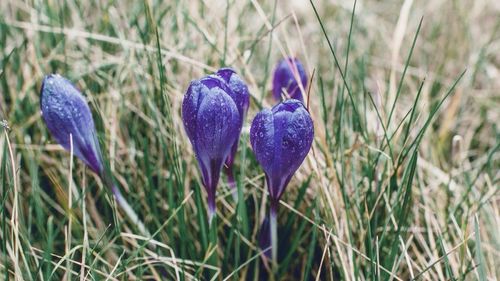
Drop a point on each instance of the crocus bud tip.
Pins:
(69, 120)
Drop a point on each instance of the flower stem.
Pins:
(122, 202)
(273, 226)
(212, 246)
(211, 208)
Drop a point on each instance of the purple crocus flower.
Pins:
(66, 113)
(213, 123)
(281, 138)
(284, 79)
(241, 97)
(68, 117)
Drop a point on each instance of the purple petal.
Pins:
(212, 122)
(66, 112)
(190, 105)
(284, 79)
(281, 139)
(241, 96)
(218, 124)
(262, 139)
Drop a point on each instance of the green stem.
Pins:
(124, 205)
(213, 229)
(211, 208)
(212, 246)
(273, 226)
(122, 202)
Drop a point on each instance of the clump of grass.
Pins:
(401, 182)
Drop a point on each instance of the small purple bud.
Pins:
(284, 79)
(281, 138)
(240, 96)
(66, 112)
(213, 123)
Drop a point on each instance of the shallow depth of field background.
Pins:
(411, 194)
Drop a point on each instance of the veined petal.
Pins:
(241, 97)
(218, 124)
(66, 112)
(212, 122)
(190, 105)
(281, 139)
(240, 93)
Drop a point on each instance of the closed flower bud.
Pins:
(285, 79)
(213, 123)
(241, 97)
(280, 138)
(66, 112)
(68, 118)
